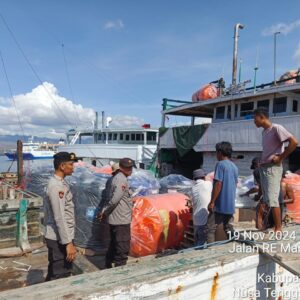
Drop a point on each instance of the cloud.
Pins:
(44, 113)
(296, 55)
(126, 121)
(118, 24)
(281, 27)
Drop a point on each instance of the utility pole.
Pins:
(20, 162)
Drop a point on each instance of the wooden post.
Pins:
(20, 162)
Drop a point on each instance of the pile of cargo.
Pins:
(162, 216)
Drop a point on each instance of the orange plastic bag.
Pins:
(208, 91)
(292, 186)
(158, 223)
(103, 170)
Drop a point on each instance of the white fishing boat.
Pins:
(111, 144)
(231, 114)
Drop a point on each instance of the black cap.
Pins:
(126, 162)
(199, 173)
(255, 163)
(61, 157)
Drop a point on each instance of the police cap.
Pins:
(126, 162)
(61, 157)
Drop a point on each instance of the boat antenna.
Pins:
(103, 120)
(255, 70)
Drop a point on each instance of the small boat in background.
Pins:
(34, 150)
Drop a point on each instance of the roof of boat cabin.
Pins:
(114, 130)
(205, 108)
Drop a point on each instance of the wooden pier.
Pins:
(220, 272)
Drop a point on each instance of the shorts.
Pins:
(270, 177)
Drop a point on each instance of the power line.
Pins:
(12, 96)
(69, 82)
(32, 69)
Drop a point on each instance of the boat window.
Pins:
(110, 136)
(295, 106)
(220, 112)
(138, 137)
(133, 137)
(247, 109)
(151, 136)
(127, 137)
(115, 137)
(121, 136)
(279, 105)
(263, 103)
(229, 112)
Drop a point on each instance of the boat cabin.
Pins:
(135, 136)
(231, 120)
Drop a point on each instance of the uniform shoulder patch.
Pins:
(61, 194)
(123, 187)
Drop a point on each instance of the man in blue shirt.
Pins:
(222, 203)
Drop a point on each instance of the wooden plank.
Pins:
(213, 273)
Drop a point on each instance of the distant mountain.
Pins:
(10, 141)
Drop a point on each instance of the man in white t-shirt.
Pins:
(201, 194)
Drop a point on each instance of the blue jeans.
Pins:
(200, 235)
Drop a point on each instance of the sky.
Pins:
(62, 60)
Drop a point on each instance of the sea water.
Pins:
(11, 166)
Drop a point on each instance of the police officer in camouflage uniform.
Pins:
(118, 212)
(59, 218)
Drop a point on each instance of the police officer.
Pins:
(59, 218)
(118, 212)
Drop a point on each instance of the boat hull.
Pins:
(27, 156)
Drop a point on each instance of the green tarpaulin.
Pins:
(186, 137)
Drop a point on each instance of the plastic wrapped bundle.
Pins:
(37, 177)
(208, 91)
(290, 74)
(244, 185)
(143, 183)
(158, 223)
(291, 186)
(88, 190)
(176, 183)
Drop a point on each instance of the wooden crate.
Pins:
(9, 177)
